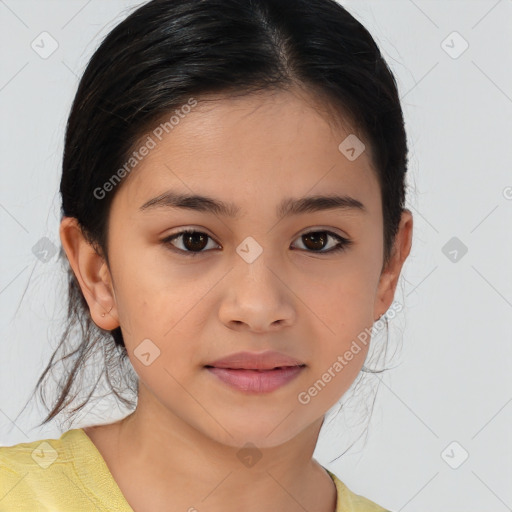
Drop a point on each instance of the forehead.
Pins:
(265, 146)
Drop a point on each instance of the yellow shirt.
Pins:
(69, 474)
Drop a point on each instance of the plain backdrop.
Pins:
(439, 437)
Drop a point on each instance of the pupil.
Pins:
(194, 237)
(316, 239)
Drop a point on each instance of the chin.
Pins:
(262, 434)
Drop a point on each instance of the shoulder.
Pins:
(39, 454)
(51, 474)
(25, 471)
(348, 501)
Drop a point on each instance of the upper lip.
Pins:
(256, 361)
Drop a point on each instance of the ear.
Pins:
(389, 276)
(92, 273)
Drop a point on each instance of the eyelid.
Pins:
(330, 229)
(188, 229)
(301, 232)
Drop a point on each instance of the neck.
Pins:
(178, 464)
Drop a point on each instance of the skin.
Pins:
(180, 445)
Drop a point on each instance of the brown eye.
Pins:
(193, 242)
(317, 241)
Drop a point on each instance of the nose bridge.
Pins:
(257, 295)
(253, 261)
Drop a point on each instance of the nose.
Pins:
(257, 298)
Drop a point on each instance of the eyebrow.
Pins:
(287, 207)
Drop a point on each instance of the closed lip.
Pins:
(255, 361)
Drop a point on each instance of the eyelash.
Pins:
(343, 243)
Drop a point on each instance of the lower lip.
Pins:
(254, 381)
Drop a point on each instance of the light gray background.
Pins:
(452, 375)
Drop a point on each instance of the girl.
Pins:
(233, 218)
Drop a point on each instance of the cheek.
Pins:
(144, 289)
(342, 298)
(333, 373)
(349, 342)
(156, 327)
(342, 314)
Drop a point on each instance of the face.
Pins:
(255, 282)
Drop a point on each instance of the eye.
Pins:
(318, 240)
(193, 242)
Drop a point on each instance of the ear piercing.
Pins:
(103, 314)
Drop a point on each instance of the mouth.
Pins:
(255, 369)
(256, 380)
(256, 372)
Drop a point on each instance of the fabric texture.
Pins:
(69, 474)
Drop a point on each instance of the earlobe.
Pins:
(92, 273)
